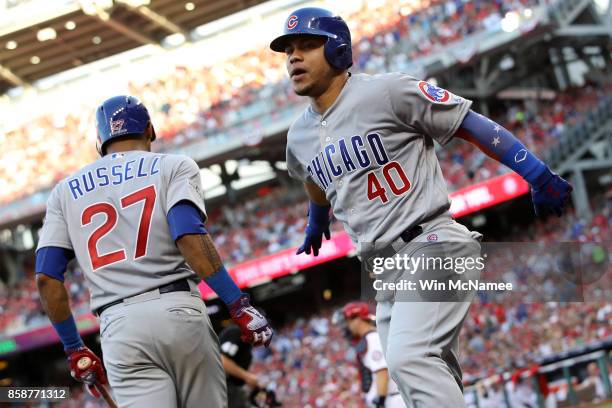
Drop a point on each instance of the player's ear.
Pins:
(150, 132)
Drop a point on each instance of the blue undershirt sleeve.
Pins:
(52, 261)
(185, 218)
(504, 147)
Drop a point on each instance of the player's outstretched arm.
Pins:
(50, 266)
(186, 224)
(318, 220)
(549, 191)
(200, 252)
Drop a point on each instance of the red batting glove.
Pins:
(254, 327)
(87, 368)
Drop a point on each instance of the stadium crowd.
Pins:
(263, 225)
(236, 96)
(20, 307)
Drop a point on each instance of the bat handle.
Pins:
(106, 395)
(84, 363)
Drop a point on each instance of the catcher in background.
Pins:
(379, 390)
(236, 357)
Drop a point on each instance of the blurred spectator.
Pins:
(593, 379)
(233, 98)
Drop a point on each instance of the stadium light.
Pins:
(510, 22)
(11, 45)
(70, 25)
(35, 60)
(189, 6)
(93, 7)
(135, 3)
(602, 6)
(506, 63)
(46, 34)
(174, 40)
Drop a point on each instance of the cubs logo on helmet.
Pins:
(434, 93)
(292, 22)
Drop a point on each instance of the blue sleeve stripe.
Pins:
(224, 286)
(504, 147)
(68, 333)
(53, 261)
(185, 218)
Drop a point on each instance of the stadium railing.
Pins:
(550, 379)
(598, 120)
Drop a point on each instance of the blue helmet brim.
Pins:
(279, 43)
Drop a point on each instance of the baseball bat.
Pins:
(83, 364)
(106, 395)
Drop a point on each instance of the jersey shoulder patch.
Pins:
(433, 93)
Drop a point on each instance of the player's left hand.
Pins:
(379, 401)
(253, 325)
(87, 368)
(552, 195)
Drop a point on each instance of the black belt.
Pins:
(411, 233)
(181, 285)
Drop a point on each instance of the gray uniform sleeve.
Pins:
(55, 230)
(295, 168)
(184, 183)
(426, 108)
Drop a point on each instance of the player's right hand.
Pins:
(253, 325)
(87, 368)
(318, 226)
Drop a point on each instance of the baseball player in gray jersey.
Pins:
(365, 147)
(135, 222)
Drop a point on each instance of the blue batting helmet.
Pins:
(320, 22)
(120, 116)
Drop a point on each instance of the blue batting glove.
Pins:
(318, 226)
(552, 193)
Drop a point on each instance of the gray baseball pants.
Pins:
(160, 350)
(419, 333)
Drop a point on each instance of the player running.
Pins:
(379, 390)
(135, 222)
(365, 146)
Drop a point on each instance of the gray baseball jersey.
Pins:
(372, 152)
(112, 214)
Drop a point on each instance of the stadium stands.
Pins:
(264, 225)
(197, 102)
